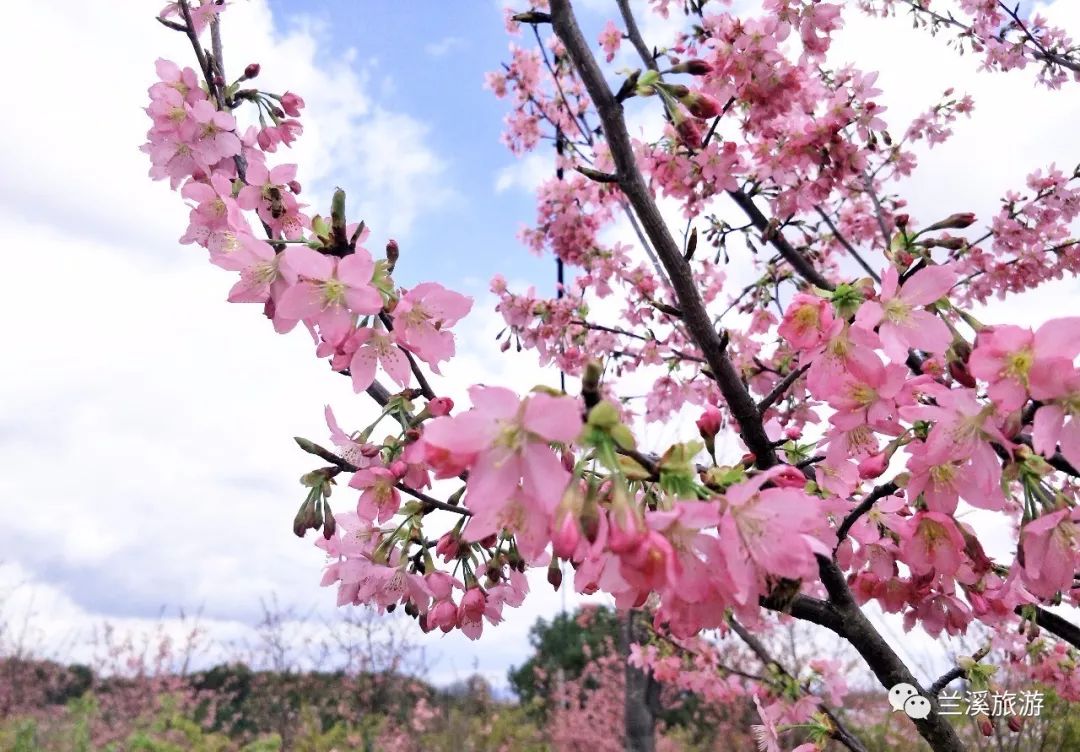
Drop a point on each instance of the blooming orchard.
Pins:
(873, 406)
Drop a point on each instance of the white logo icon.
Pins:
(917, 707)
(906, 697)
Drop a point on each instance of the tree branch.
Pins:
(1054, 624)
(741, 404)
(886, 489)
(776, 239)
(840, 731)
(778, 391)
(956, 672)
(850, 248)
(634, 34)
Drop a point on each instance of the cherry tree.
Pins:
(873, 409)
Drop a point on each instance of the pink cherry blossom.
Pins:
(1051, 546)
(374, 347)
(328, 290)
(902, 323)
(422, 318)
(1008, 357)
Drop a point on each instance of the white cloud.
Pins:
(445, 46)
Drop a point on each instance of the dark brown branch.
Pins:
(955, 673)
(850, 248)
(774, 237)
(1054, 624)
(741, 404)
(172, 24)
(634, 34)
(778, 391)
(433, 502)
(887, 489)
(882, 659)
(597, 175)
(200, 54)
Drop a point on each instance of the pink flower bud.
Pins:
(265, 139)
(252, 70)
(690, 133)
(701, 105)
(1015, 723)
(398, 468)
(291, 103)
(695, 67)
(447, 547)
(472, 605)
(954, 222)
(710, 422)
(294, 186)
(443, 616)
(790, 478)
(440, 406)
(567, 536)
(873, 466)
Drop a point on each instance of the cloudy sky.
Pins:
(145, 424)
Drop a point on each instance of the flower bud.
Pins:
(251, 71)
(291, 103)
(567, 536)
(440, 406)
(901, 220)
(873, 466)
(986, 727)
(294, 186)
(1015, 723)
(448, 547)
(554, 575)
(695, 67)
(472, 604)
(443, 616)
(392, 254)
(690, 132)
(710, 422)
(953, 222)
(701, 105)
(961, 374)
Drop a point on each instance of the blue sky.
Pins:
(145, 428)
(430, 64)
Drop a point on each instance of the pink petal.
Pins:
(362, 368)
(355, 270)
(928, 285)
(301, 301)
(496, 401)
(1059, 338)
(553, 418)
(396, 364)
(363, 300)
(301, 261)
(1049, 420)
